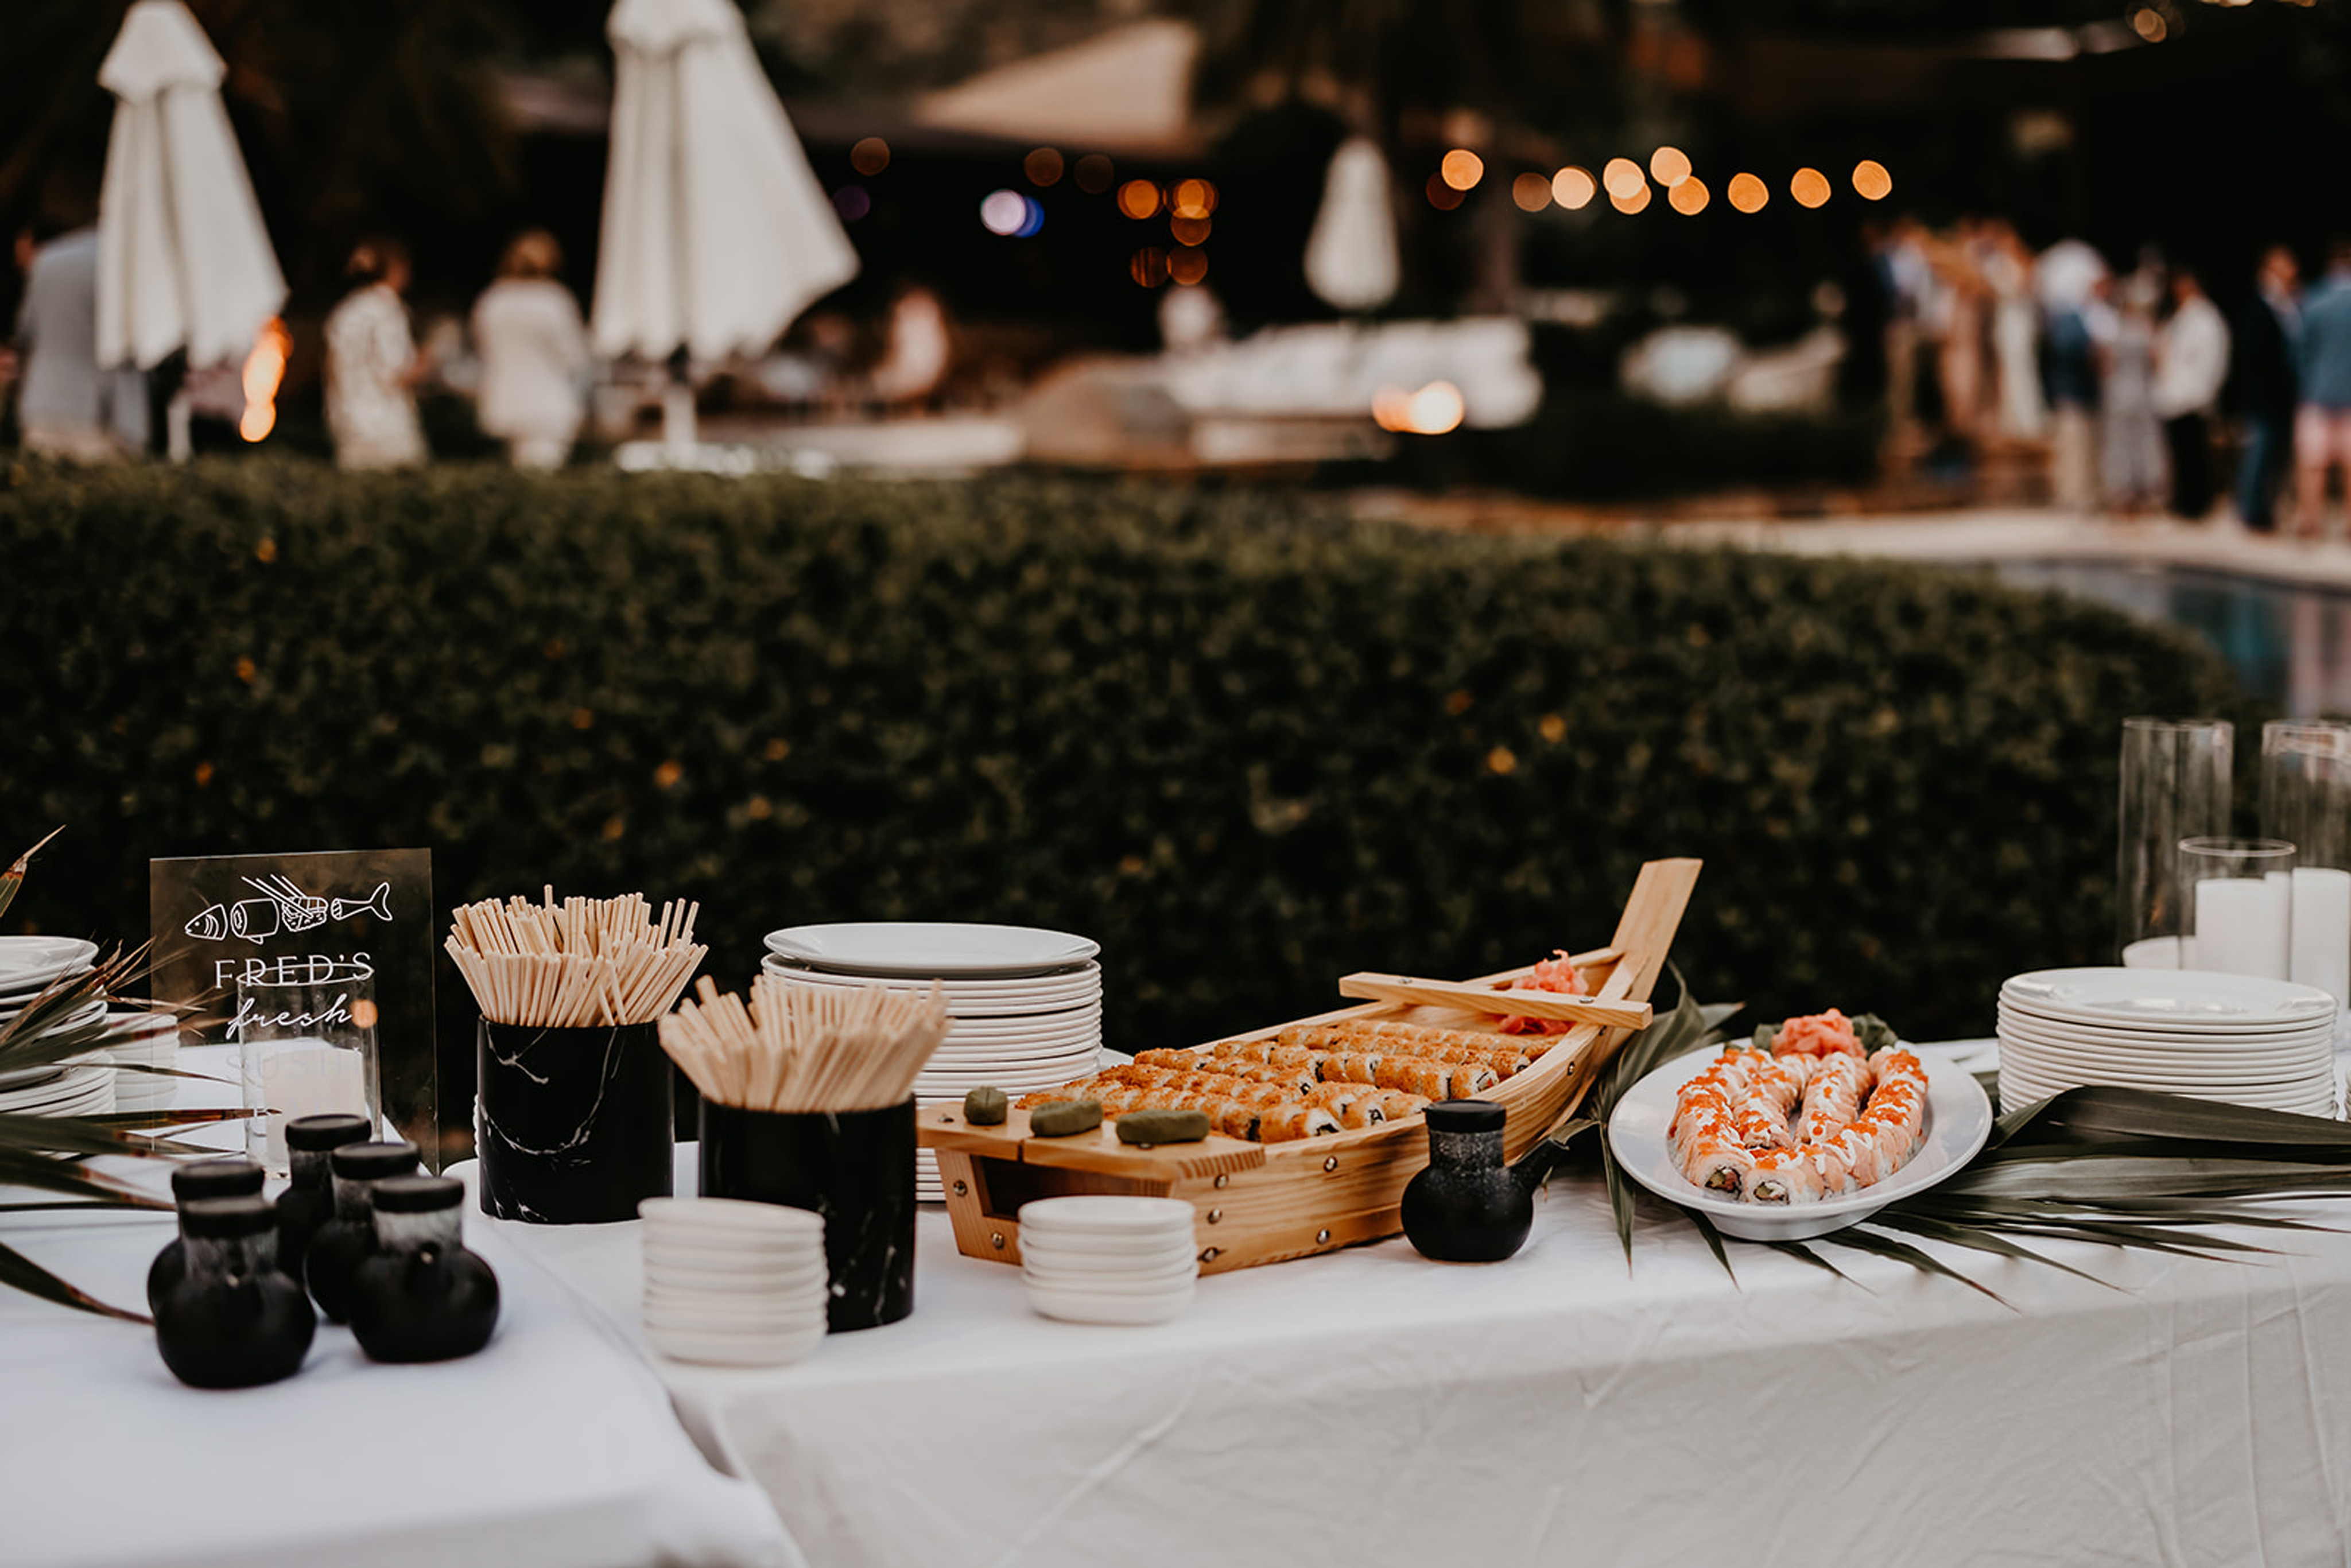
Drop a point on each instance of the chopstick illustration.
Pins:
(283, 907)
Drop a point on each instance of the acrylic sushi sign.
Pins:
(342, 916)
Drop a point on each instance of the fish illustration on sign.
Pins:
(282, 907)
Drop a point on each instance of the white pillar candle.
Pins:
(2322, 931)
(2243, 925)
(301, 1078)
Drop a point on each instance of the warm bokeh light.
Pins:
(1148, 267)
(1004, 212)
(1669, 165)
(1573, 188)
(1193, 199)
(1188, 231)
(1635, 202)
(264, 369)
(1138, 198)
(1095, 172)
(1531, 192)
(1434, 409)
(1622, 177)
(2148, 24)
(1689, 196)
(870, 156)
(1187, 265)
(1810, 187)
(1461, 169)
(1871, 179)
(1442, 196)
(1747, 192)
(1044, 165)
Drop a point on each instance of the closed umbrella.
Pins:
(716, 233)
(1351, 255)
(182, 258)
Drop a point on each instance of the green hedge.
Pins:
(1248, 746)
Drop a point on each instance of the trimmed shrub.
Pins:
(1248, 746)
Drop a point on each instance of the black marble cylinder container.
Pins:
(854, 1167)
(573, 1126)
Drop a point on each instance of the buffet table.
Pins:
(1556, 1408)
(553, 1445)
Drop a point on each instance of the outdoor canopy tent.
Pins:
(182, 258)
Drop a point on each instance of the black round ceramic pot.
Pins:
(854, 1167)
(232, 1320)
(573, 1126)
(1467, 1207)
(235, 1176)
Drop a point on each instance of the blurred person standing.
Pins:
(535, 357)
(2191, 361)
(2068, 277)
(2322, 425)
(372, 368)
(2267, 378)
(67, 405)
(2130, 436)
(2007, 269)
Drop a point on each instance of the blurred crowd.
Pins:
(523, 355)
(2136, 384)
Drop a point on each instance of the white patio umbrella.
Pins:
(182, 258)
(1351, 255)
(716, 232)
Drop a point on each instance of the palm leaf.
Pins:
(1983, 1238)
(1861, 1241)
(1714, 1244)
(13, 877)
(1798, 1250)
(25, 1275)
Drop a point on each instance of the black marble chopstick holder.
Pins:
(573, 1126)
(854, 1167)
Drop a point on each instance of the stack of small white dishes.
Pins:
(1103, 1259)
(2239, 1038)
(142, 1040)
(731, 1283)
(81, 1085)
(1024, 1006)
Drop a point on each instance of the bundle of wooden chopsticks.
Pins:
(805, 1048)
(582, 963)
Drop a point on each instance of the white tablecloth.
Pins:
(1557, 1408)
(554, 1445)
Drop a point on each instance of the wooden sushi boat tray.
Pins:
(1263, 1203)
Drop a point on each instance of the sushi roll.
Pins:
(1785, 1177)
(1349, 1067)
(1756, 1126)
(1281, 1124)
(1718, 1165)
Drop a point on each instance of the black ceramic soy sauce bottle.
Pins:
(1468, 1207)
(340, 1244)
(309, 1202)
(233, 1319)
(421, 1296)
(235, 1176)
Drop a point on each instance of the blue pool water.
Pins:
(2289, 643)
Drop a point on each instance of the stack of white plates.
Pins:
(2233, 1037)
(732, 1283)
(142, 1040)
(81, 1085)
(1024, 1005)
(1102, 1259)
